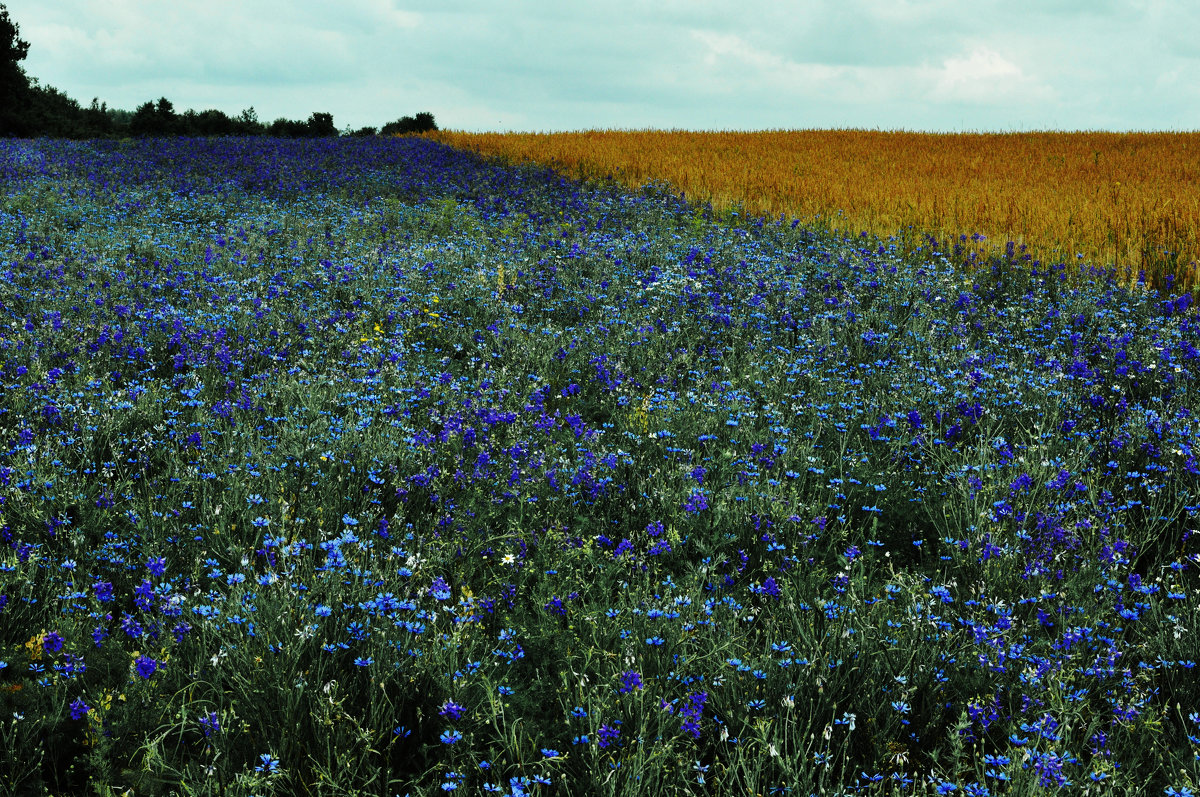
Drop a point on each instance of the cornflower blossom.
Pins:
(267, 764)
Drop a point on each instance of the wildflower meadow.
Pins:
(370, 466)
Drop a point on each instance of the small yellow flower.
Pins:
(33, 647)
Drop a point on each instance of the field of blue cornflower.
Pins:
(368, 466)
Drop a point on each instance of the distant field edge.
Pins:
(1128, 201)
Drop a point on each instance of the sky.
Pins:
(546, 65)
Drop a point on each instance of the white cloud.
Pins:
(985, 76)
(724, 48)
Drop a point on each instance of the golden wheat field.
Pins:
(1124, 200)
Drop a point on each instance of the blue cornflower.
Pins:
(655, 641)
(268, 764)
(450, 737)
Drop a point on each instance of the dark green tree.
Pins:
(287, 128)
(98, 121)
(14, 84)
(424, 122)
(421, 123)
(320, 125)
(247, 124)
(155, 119)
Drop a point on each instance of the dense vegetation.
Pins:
(366, 465)
(1123, 199)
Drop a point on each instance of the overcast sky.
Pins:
(561, 65)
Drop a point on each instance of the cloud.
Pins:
(985, 76)
(545, 64)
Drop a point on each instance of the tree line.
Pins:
(29, 109)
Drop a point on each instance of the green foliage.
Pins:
(14, 85)
(421, 123)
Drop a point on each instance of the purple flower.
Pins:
(210, 724)
(696, 502)
(144, 595)
(53, 642)
(131, 627)
(451, 709)
(608, 734)
(146, 666)
(104, 591)
(439, 589)
(79, 709)
(630, 681)
(99, 634)
(157, 566)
